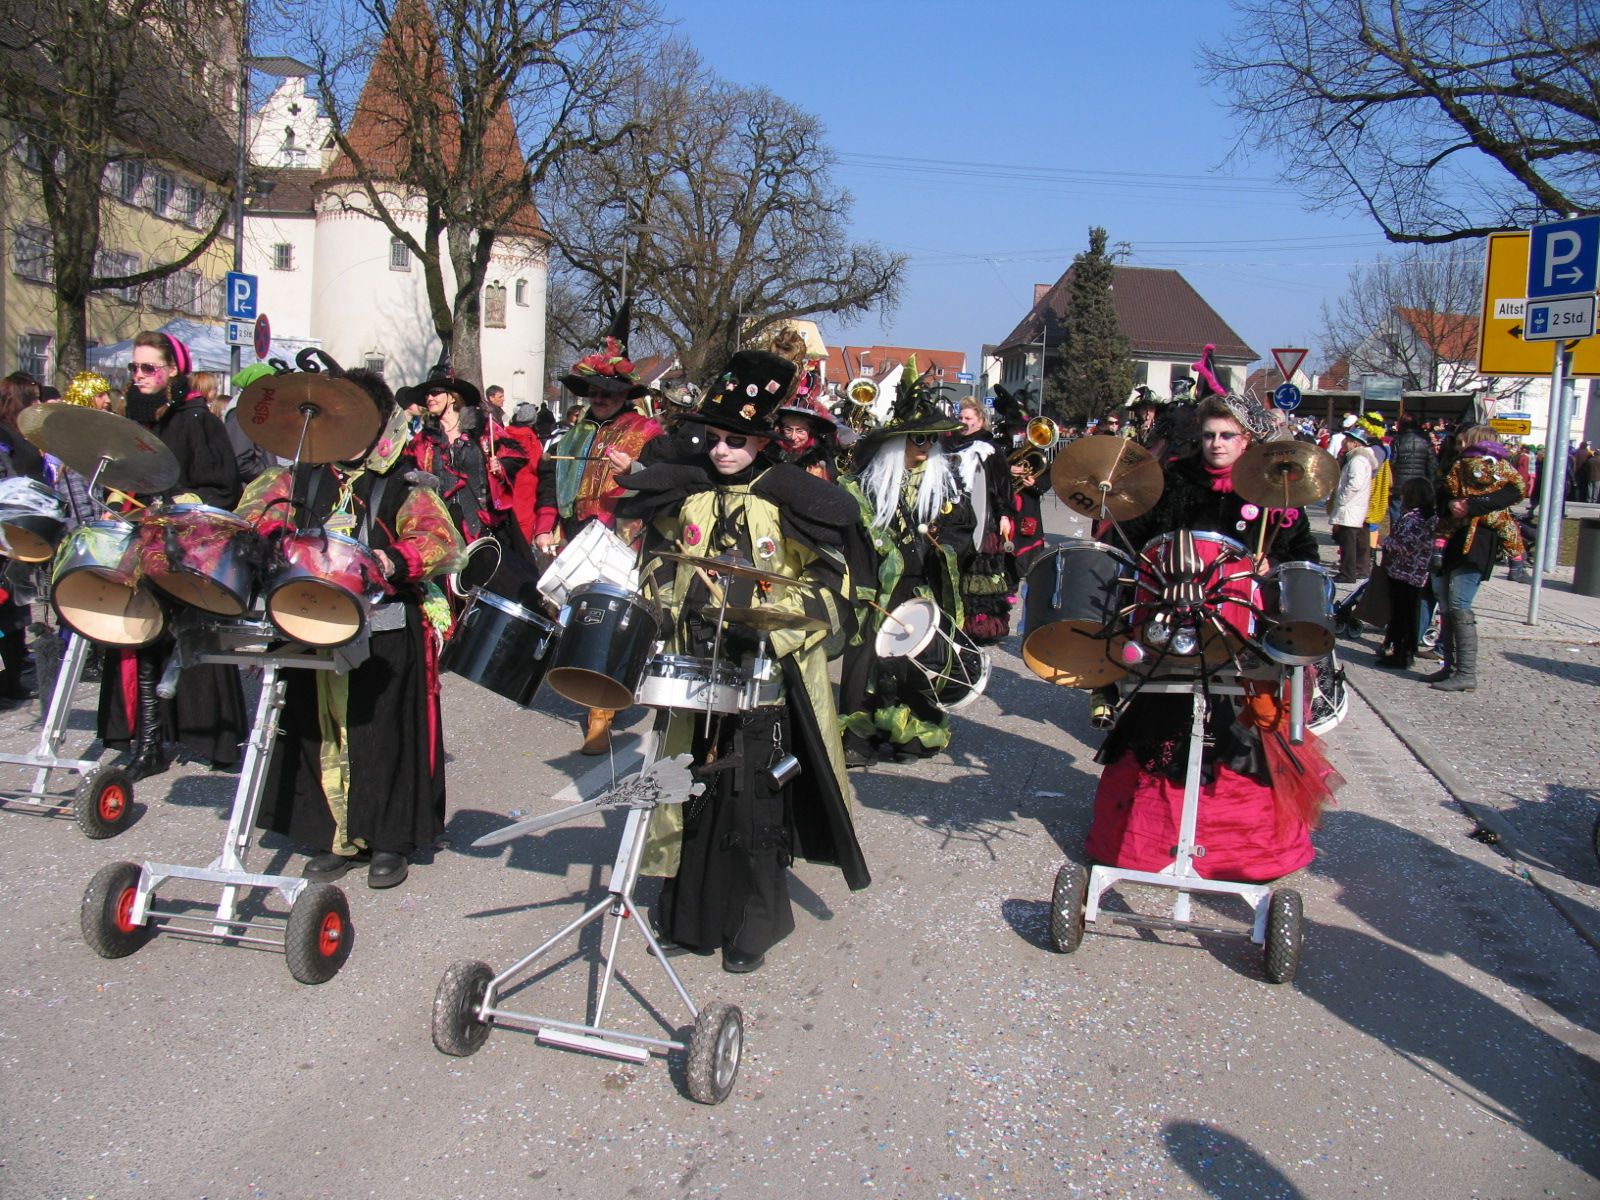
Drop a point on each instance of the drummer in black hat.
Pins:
(727, 854)
(919, 524)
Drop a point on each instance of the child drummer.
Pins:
(726, 853)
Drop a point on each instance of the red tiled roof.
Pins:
(1452, 336)
(392, 124)
(878, 358)
(1336, 378)
(1157, 309)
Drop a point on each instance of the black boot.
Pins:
(1464, 650)
(148, 756)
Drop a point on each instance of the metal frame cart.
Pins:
(102, 804)
(118, 915)
(468, 1002)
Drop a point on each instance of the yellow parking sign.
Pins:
(1501, 352)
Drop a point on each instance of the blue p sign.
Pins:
(241, 296)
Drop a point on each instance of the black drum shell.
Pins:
(1073, 613)
(607, 636)
(500, 645)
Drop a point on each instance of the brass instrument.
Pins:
(860, 394)
(1042, 434)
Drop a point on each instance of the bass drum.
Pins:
(500, 645)
(1197, 596)
(1073, 614)
(607, 633)
(951, 669)
(95, 587)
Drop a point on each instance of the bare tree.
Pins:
(722, 201)
(468, 106)
(1412, 316)
(1443, 119)
(90, 89)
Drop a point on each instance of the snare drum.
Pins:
(606, 636)
(33, 520)
(1196, 594)
(322, 587)
(1300, 623)
(96, 590)
(697, 684)
(500, 645)
(200, 555)
(1073, 614)
(949, 669)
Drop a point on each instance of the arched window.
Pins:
(522, 292)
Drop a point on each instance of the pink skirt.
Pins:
(1246, 837)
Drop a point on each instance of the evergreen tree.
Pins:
(1095, 370)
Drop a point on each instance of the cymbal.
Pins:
(1113, 472)
(764, 618)
(734, 568)
(1286, 474)
(81, 437)
(344, 420)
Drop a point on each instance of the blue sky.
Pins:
(984, 139)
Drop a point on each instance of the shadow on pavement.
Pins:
(1575, 672)
(1223, 1164)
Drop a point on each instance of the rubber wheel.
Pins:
(103, 803)
(715, 1048)
(1066, 908)
(106, 913)
(1596, 837)
(1282, 951)
(457, 1028)
(317, 940)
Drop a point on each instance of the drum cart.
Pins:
(102, 804)
(469, 999)
(1276, 926)
(118, 913)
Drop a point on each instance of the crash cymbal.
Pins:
(733, 568)
(273, 410)
(763, 617)
(1112, 473)
(1284, 474)
(81, 437)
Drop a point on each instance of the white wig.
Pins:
(884, 476)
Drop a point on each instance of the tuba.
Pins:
(860, 395)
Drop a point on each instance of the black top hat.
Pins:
(747, 394)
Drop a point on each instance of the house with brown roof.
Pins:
(1167, 323)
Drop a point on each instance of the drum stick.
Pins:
(888, 614)
(577, 457)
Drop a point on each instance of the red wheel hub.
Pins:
(125, 910)
(330, 935)
(113, 802)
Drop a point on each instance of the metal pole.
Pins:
(243, 99)
(1559, 483)
(1550, 499)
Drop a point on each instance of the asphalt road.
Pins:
(918, 1039)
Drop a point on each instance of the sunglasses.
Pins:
(733, 441)
(1221, 435)
(146, 368)
(923, 439)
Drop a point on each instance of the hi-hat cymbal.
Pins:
(1100, 476)
(273, 410)
(81, 437)
(1286, 474)
(734, 568)
(763, 617)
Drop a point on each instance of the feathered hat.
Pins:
(1246, 409)
(609, 370)
(915, 409)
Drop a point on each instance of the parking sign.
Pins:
(241, 296)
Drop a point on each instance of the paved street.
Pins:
(918, 1039)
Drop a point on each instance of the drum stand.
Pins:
(102, 805)
(118, 914)
(1076, 901)
(468, 1001)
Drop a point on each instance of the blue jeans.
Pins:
(1457, 590)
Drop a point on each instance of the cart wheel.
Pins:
(1282, 951)
(715, 1048)
(1066, 908)
(107, 911)
(457, 1027)
(1596, 837)
(103, 803)
(317, 940)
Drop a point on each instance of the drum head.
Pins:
(198, 592)
(907, 630)
(1070, 654)
(316, 614)
(589, 689)
(106, 612)
(29, 538)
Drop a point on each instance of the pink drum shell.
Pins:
(320, 592)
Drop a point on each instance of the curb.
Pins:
(1579, 916)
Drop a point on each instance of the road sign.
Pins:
(1558, 320)
(1286, 396)
(1512, 426)
(1564, 258)
(241, 333)
(1515, 416)
(263, 334)
(1289, 360)
(242, 297)
(963, 376)
(1504, 353)
(1384, 388)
